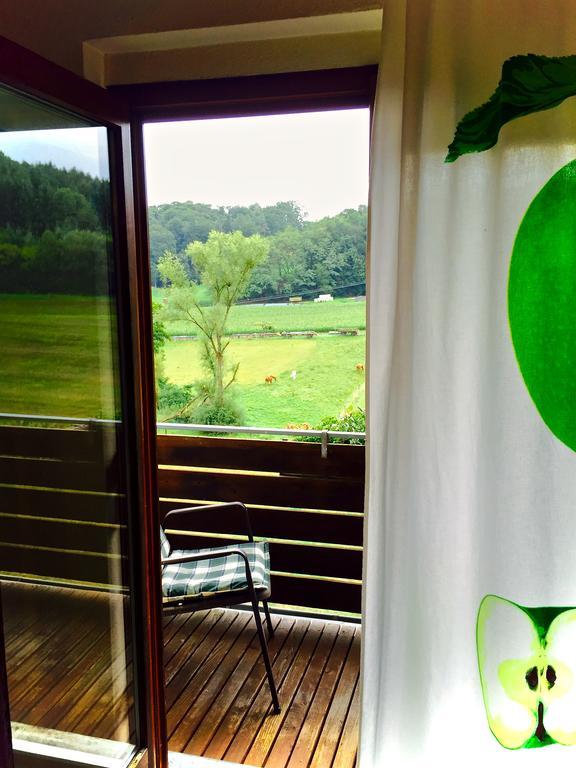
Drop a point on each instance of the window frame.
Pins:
(31, 75)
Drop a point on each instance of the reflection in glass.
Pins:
(63, 505)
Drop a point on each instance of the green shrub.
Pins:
(226, 414)
(352, 419)
(174, 399)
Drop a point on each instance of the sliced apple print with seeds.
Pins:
(508, 646)
(559, 699)
(527, 663)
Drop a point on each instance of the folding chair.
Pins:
(217, 577)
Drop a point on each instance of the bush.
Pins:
(174, 398)
(352, 419)
(226, 414)
(179, 403)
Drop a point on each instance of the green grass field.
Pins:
(326, 376)
(308, 316)
(58, 357)
(58, 360)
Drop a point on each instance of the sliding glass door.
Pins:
(72, 501)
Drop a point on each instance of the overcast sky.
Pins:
(318, 159)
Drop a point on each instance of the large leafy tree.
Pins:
(224, 263)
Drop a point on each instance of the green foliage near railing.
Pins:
(352, 419)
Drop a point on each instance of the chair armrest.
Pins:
(223, 553)
(184, 512)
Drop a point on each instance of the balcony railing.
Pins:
(60, 510)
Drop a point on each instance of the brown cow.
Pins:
(270, 379)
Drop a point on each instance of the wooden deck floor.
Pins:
(65, 674)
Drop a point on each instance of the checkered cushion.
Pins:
(219, 574)
(164, 544)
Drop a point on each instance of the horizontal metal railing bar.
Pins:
(56, 419)
(193, 427)
(257, 430)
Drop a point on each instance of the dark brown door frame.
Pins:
(5, 732)
(229, 97)
(253, 95)
(30, 74)
(292, 92)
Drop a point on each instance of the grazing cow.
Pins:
(359, 366)
(270, 379)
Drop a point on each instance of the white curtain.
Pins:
(469, 493)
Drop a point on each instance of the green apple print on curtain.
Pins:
(542, 279)
(542, 302)
(527, 663)
(527, 656)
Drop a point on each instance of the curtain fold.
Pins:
(469, 492)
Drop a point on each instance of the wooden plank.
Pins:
(59, 504)
(279, 523)
(93, 659)
(180, 670)
(52, 618)
(260, 717)
(64, 444)
(42, 533)
(91, 711)
(93, 707)
(181, 667)
(79, 476)
(19, 619)
(285, 457)
(249, 672)
(39, 673)
(67, 566)
(105, 714)
(316, 593)
(314, 642)
(176, 630)
(314, 719)
(99, 690)
(23, 647)
(244, 718)
(67, 679)
(210, 691)
(336, 717)
(22, 656)
(177, 709)
(296, 715)
(312, 493)
(347, 751)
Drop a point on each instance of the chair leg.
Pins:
(268, 619)
(265, 656)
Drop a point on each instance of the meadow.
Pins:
(58, 356)
(308, 315)
(326, 379)
(58, 359)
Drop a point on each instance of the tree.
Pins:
(225, 263)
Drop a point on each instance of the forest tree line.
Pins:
(55, 237)
(304, 256)
(54, 234)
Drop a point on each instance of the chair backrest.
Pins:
(164, 544)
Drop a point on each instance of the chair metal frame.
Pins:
(231, 597)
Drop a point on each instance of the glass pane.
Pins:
(63, 502)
